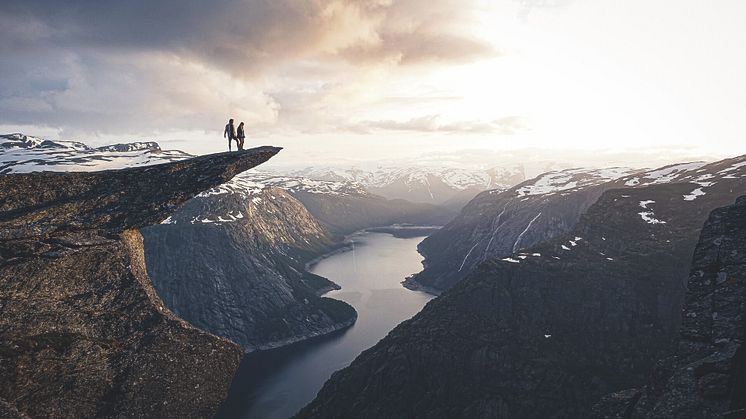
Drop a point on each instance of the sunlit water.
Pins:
(276, 384)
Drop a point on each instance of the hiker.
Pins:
(241, 135)
(230, 133)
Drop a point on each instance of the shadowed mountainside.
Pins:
(82, 332)
(234, 264)
(706, 376)
(551, 329)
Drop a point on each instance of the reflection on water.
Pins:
(277, 383)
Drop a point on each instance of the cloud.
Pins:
(128, 94)
(244, 37)
(432, 123)
(145, 65)
(527, 6)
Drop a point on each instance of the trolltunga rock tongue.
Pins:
(50, 203)
(82, 332)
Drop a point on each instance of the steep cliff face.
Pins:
(546, 331)
(706, 378)
(232, 261)
(82, 332)
(345, 206)
(349, 213)
(497, 223)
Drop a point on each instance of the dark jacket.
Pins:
(241, 133)
(230, 131)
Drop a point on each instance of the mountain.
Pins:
(82, 332)
(232, 261)
(706, 376)
(497, 223)
(24, 154)
(451, 186)
(548, 330)
(345, 206)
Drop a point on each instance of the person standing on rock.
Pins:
(230, 133)
(241, 135)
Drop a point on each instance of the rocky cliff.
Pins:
(232, 261)
(706, 377)
(499, 222)
(549, 330)
(82, 332)
(350, 213)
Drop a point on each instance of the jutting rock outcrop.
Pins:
(82, 332)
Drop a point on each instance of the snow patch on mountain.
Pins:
(419, 176)
(649, 217)
(694, 194)
(570, 179)
(25, 154)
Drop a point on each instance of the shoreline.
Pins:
(302, 339)
(344, 246)
(397, 230)
(411, 284)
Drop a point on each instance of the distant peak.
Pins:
(136, 146)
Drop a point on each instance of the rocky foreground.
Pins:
(706, 377)
(82, 332)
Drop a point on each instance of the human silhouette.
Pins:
(240, 136)
(230, 133)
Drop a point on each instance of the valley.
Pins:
(557, 295)
(278, 383)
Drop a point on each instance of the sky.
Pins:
(582, 82)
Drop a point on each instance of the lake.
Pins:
(276, 384)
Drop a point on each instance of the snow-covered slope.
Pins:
(498, 224)
(23, 154)
(421, 183)
(252, 182)
(567, 181)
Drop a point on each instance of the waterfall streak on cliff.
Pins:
(518, 240)
(467, 256)
(495, 227)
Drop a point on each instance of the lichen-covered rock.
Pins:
(706, 378)
(82, 332)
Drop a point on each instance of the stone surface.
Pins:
(706, 377)
(82, 332)
(244, 278)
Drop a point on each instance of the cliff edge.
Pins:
(706, 377)
(82, 332)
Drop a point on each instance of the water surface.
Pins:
(276, 384)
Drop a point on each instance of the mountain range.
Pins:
(449, 186)
(578, 293)
(232, 260)
(550, 328)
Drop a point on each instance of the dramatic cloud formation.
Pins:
(359, 77)
(138, 66)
